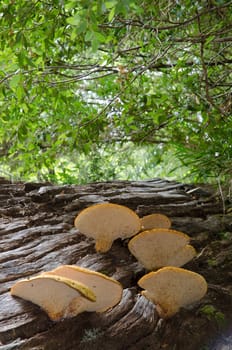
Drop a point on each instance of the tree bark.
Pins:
(37, 234)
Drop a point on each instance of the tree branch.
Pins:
(205, 73)
(138, 23)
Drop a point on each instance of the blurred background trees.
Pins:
(119, 89)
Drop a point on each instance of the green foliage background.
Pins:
(118, 89)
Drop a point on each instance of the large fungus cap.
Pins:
(108, 291)
(161, 247)
(59, 297)
(107, 222)
(151, 221)
(182, 256)
(171, 288)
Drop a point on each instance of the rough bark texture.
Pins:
(37, 234)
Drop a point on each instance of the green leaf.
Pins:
(20, 93)
(74, 20)
(110, 4)
(89, 35)
(70, 5)
(14, 81)
(100, 37)
(111, 14)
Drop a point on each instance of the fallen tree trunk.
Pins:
(37, 234)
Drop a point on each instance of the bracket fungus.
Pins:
(59, 297)
(161, 247)
(171, 288)
(151, 221)
(106, 222)
(108, 291)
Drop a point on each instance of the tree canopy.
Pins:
(91, 88)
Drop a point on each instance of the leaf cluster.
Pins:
(84, 81)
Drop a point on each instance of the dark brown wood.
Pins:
(37, 234)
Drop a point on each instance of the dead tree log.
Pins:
(37, 234)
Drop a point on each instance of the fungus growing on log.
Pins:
(151, 221)
(59, 297)
(171, 288)
(161, 247)
(182, 256)
(108, 291)
(106, 222)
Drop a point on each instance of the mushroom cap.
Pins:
(106, 222)
(161, 247)
(182, 256)
(108, 291)
(59, 297)
(151, 221)
(171, 288)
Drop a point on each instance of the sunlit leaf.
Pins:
(14, 81)
(74, 20)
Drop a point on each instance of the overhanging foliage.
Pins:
(81, 78)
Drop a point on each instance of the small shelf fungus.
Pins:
(171, 288)
(151, 221)
(69, 290)
(108, 291)
(59, 297)
(107, 222)
(161, 247)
